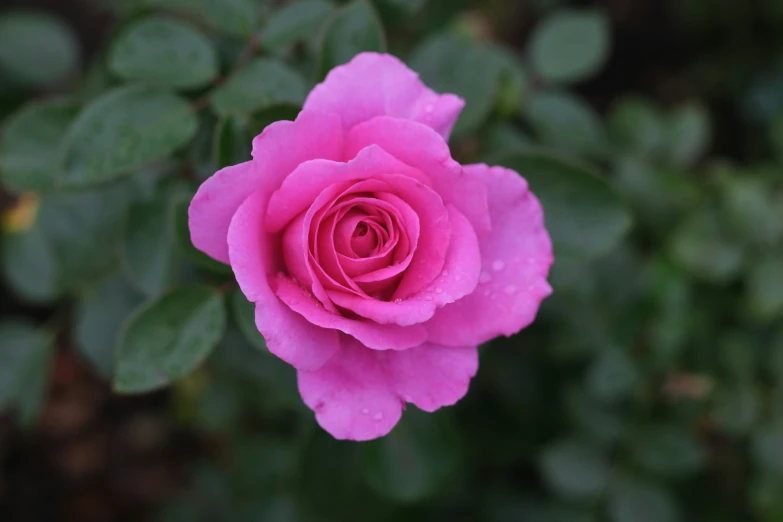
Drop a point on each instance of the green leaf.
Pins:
(29, 145)
(263, 83)
(179, 214)
(564, 122)
(122, 131)
(583, 215)
(637, 127)
(415, 460)
(164, 51)
(453, 64)
(633, 500)
(764, 492)
(570, 45)
(148, 247)
(294, 22)
(764, 286)
(594, 419)
(687, 134)
(504, 138)
(233, 17)
(753, 208)
(737, 410)
(768, 448)
(612, 376)
(245, 315)
(262, 119)
(100, 312)
(514, 85)
(700, 246)
(168, 338)
(355, 28)
(668, 452)
(72, 240)
(36, 49)
(659, 195)
(30, 265)
(19, 339)
(25, 362)
(231, 143)
(575, 469)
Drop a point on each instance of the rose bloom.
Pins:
(377, 263)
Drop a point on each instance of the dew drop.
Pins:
(485, 277)
(498, 265)
(398, 301)
(510, 290)
(378, 416)
(365, 411)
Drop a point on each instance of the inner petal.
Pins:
(364, 240)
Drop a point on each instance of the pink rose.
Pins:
(376, 262)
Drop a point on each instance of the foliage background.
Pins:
(649, 390)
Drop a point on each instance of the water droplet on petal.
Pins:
(378, 416)
(485, 277)
(511, 290)
(398, 301)
(365, 411)
(498, 265)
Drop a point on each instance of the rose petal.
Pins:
(515, 257)
(254, 257)
(298, 260)
(373, 335)
(420, 147)
(350, 395)
(431, 376)
(359, 394)
(373, 85)
(277, 151)
(458, 278)
(321, 177)
(215, 203)
(311, 178)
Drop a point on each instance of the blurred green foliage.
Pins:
(650, 389)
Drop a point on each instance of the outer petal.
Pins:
(350, 395)
(253, 258)
(373, 85)
(277, 151)
(214, 205)
(418, 146)
(371, 334)
(515, 255)
(431, 376)
(360, 394)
